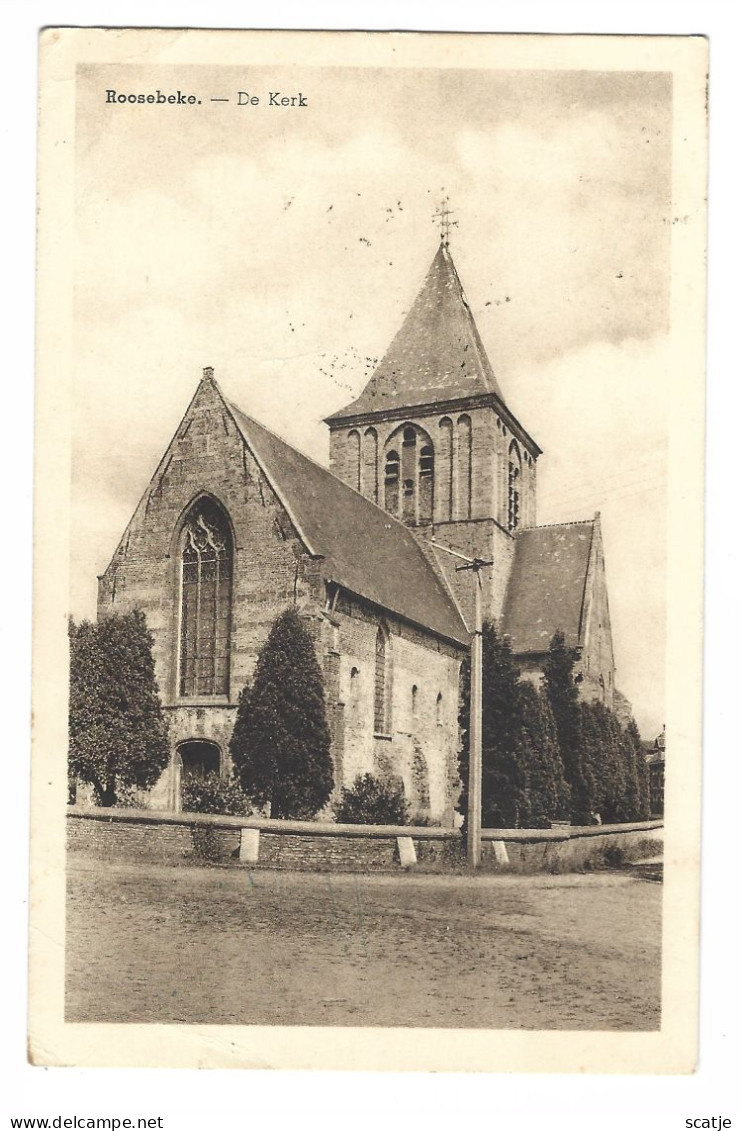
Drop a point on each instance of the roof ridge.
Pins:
(390, 521)
(325, 468)
(548, 525)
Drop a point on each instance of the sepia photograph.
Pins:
(376, 362)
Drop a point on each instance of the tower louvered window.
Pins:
(206, 599)
(427, 468)
(391, 482)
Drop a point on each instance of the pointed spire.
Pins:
(437, 354)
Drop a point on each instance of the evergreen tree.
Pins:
(636, 747)
(118, 734)
(548, 794)
(280, 745)
(562, 694)
(523, 781)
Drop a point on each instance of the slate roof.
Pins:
(546, 590)
(437, 353)
(365, 550)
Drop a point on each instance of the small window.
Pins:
(439, 709)
(409, 437)
(413, 701)
(353, 690)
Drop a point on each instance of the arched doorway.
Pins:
(194, 758)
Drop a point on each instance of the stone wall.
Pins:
(271, 566)
(272, 570)
(130, 835)
(478, 538)
(420, 741)
(357, 455)
(597, 665)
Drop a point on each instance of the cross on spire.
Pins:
(443, 215)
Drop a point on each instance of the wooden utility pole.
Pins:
(474, 808)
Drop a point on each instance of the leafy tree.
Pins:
(118, 733)
(280, 745)
(372, 800)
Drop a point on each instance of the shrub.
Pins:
(211, 793)
(372, 801)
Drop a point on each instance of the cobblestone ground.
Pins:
(147, 943)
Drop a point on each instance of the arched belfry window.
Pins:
(427, 468)
(409, 472)
(514, 476)
(391, 482)
(206, 601)
(381, 684)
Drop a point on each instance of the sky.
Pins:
(283, 246)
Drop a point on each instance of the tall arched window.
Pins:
(381, 684)
(354, 444)
(445, 469)
(514, 470)
(391, 482)
(206, 601)
(463, 428)
(370, 473)
(439, 709)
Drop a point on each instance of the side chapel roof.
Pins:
(547, 589)
(436, 355)
(366, 550)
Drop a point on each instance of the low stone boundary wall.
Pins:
(176, 838)
(568, 849)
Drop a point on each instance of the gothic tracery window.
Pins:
(206, 599)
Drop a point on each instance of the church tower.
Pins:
(431, 440)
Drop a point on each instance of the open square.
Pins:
(154, 944)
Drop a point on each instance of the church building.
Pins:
(236, 525)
